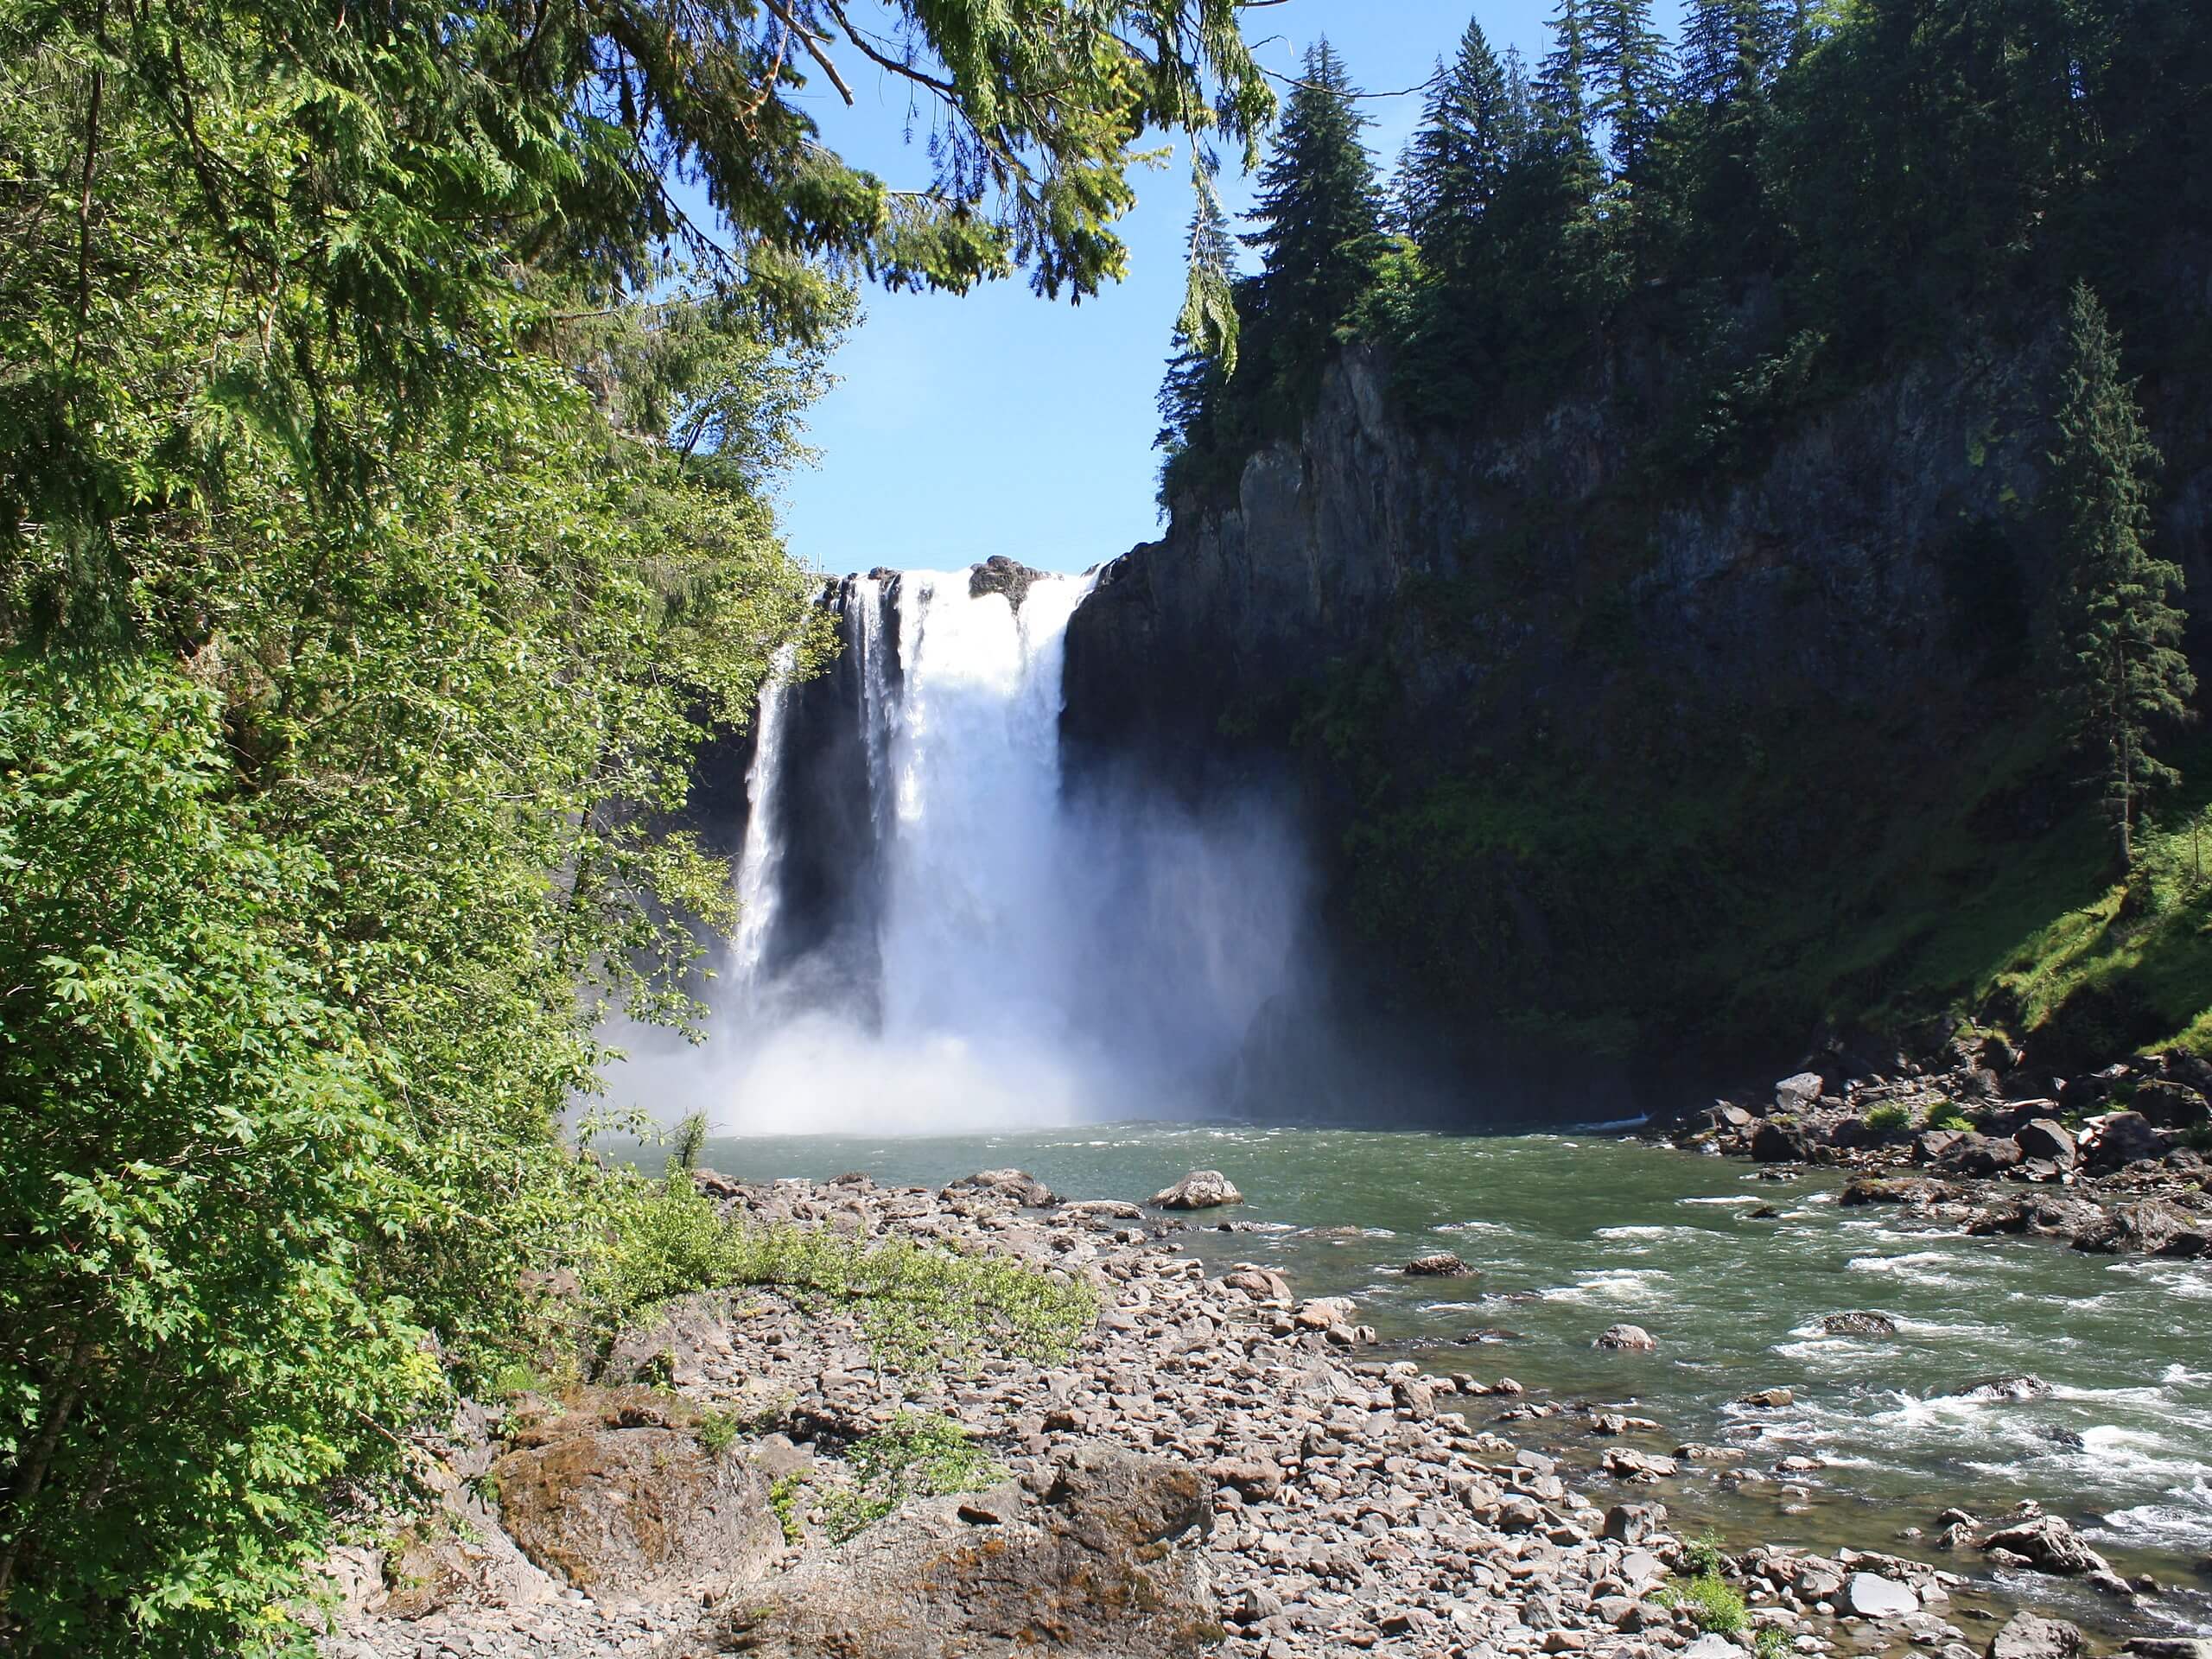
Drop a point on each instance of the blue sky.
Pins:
(1001, 422)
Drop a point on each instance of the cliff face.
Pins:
(1590, 705)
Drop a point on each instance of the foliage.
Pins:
(1946, 1115)
(685, 1141)
(1716, 1605)
(1706, 1555)
(2120, 666)
(918, 1306)
(915, 1455)
(1889, 1116)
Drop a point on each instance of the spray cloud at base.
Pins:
(938, 936)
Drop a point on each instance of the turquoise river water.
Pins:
(1572, 1232)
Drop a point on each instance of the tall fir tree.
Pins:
(1203, 353)
(1627, 65)
(1320, 213)
(1562, 88)
(2121, 671)
(1456, 158)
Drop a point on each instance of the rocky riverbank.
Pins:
(1222, 1467)
(2118, 1161)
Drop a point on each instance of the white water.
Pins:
(1040, 963)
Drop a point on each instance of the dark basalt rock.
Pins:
(1860, 1324)
(2004, 1388)
(1000, 574)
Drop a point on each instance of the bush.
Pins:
(1888, 1117)
(916, 1455)
(1715, 1604)
(1947, 1114)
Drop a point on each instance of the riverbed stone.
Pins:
(1871, 1595)
(1202, 1189)
(2050, 1543)
(2047, 1139)
(2030, 1635)
(1860, 1324)
(1627, 1338)
(1440, 1264)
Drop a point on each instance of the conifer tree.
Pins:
(1203, 354)
(2119, 666)
(1320, 217)
(1626, 62)
(1562, 78)
(1458, 157)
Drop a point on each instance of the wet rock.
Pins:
(2004, 1388)
(1489, 1333)
(1910, 1190)
(1778, 1143)
(1440, 1265)
(1860, 1324)
(1627, 1338)
(1871, 1595)
(617, 1497)
(1110, 1566)
(2122, 1139)
(1000, 574)
(1323, 1313)
(1017, 1185)
(2046, 1139)
(2050, 1543)
(2029, 1635)
(1638, 1468)
(1982, 1156)
(1260, 1283)
(2152, 1227)
(2167, 1647)
(1769, 1399)
(1202, 1189)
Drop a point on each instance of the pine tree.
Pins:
(1202, 356)
(1320, 217)
(1626, 62)
(1731, 48)
(1562, 78)
(2119, 666)
(1458, 157)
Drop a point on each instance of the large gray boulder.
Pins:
(1110, 1565)
(2050, 1543)
(1017, 1186)
(1872, 1596)
(1627, 1338)
(1794, 1093)
(1202, 1189)
(2030, 1635)
(2047, 1139)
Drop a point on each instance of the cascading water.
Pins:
(934, 936)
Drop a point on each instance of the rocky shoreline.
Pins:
(1222, 1467)
(2118, 1161)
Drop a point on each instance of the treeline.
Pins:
(384, 514)
(1784, 198)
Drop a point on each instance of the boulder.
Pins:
(2168, 1647)
(1871, 1595)
(1017, 1185)
(1934, 1145)
(1627, 1338)
(1440, 1265)
(1860, 1324)
(1102, 1209)
(2152, 1227)
(1981, 1156)
(617, 1497)
(1815, 1578)
(1000, 574)
(2172, 1105)
(1777, 1143)
(1794, 1093)
(2122, 1139)
(1202, 1189)
(1322, 1313)
(2046, 1138)
(1911, 1189)
(1712, 1645)
(2029, 1635)
(1110, 1565)
(1768, 1399)
(1635, 1524)
(2050, 1543)
(1262, 1284)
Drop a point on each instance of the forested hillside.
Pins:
(1710, 528)
(384, 517)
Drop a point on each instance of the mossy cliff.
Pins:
(1678, 729)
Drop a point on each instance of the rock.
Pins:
(1871, 1595)
(1018, 1185)
(2172, 1105)
(1202, 1189)
(1442, 1265)
(1102, 1209)
(618, 1497)
(1899, 1189)
(1815, 1578)
(2004, 1388)
(1710, 1646)
(1110, 1565)
(2122, 1139)
(1258, 1283)
(1000, 574)
(1861, 1323)
(1981, 1156)
(2029, 1635)
(1251, 1477)
(1635, 1524)
(1769, 1399)
(1777, 1143)
(1933, 1146)
(2050, 1543)
(2047, 1139)
(2168, 1647)
(1794, 1093)
(1638, 1468)
(1627, 1339)
(2152, 1227)
(1323, 1313)
(424, 1570)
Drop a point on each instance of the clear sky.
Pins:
(1001, 422)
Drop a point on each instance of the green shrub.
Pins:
(915, 1455)
(685, 1141)
(1890, 1116)
(1947, 1114)
(1716, 1605)
(1705, 1556)
(1771, 1642)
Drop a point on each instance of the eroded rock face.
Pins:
(617, 1497)
(1202, 1189)
(1107, 1566)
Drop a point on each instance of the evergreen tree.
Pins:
(1320, 218)
(1457, 159)
(1627, 63)
(1200, 359)
(2120, 666)
(1561, 93)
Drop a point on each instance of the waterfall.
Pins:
(933, 935)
